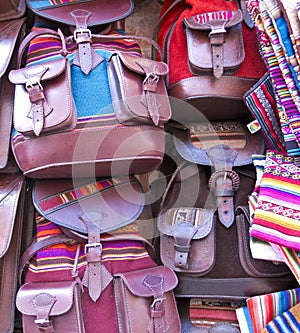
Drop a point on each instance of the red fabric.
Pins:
(253, 65)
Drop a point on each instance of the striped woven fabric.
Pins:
(209, 134)
(279, 253)
(61, 257)
(260, 100)
(286, 108)
(288, 322)
(277, 215)
(261, 310)
(52, 3)
(95, 110)
(78, 193)
(289, 10)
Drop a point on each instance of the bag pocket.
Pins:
(215, 42)
(138, 89)
(145, 301)
(43, 100)
(187, 241)
(51, 306)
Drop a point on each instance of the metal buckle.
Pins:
(33, 82)
(82, 31)
(151, 76)
(43, 322)
(156, 300)
(92, 245)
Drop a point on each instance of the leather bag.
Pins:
(131, 106)
(204, 220)
(212, 52)
(12, 194)
(12, 25)
(115, 289)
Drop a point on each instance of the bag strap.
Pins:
(65, 40)
(42, 244)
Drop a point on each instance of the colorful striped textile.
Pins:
(58, 200)
(274, 56)
(260, 100)
(277, 215)
(288, 322)
(262, 309)
(291, 258)
(61, 257)
(265, 250)
(290, 12)
(37, 4)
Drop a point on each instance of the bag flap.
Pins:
(197, 141)
(10, 190)
(100, 11)
(9, 32)
(223, 19)
(38, 73)
(58, 296)
(150, 281)
(12, 9)
(199, 220)
(144, 66)
(111, 203)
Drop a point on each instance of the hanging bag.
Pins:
(87, 90)
(212, 53)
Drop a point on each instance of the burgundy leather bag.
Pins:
(90, 269)
(12, 25)
(89, 99)
(12, 195)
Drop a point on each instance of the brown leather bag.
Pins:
(12, 25)
(204, 220)
(120, 99)
(213, 56)
(12, 195)
(96, 221)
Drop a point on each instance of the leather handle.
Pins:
(33, 34)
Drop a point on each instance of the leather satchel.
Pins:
(213, 56)
(11, 225)
(95, 227)
(12, 25)
(103, 12)
(119, 97)
(204, 220)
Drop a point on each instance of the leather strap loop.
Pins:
(96, 276)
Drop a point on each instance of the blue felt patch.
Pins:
(91, 92)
